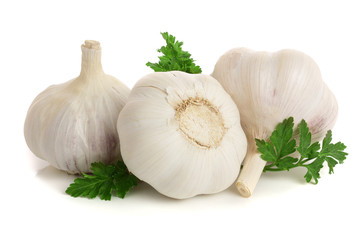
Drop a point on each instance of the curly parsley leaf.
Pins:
(104, 181)
(282, 143)
(174, 58)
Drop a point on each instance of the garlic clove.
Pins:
(269, 87)
(181, 134)
(73, 124)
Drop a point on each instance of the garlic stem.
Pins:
(250, 174)
(91, 59)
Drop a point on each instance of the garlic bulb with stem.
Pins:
(267, 88)
(73, 124)
(181, 133)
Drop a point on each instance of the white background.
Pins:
(40, 45)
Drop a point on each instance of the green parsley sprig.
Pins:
(174, 58)
(104, 181)
(277, 150)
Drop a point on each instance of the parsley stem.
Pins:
(270, 165)
(301, 163)
(273, 169)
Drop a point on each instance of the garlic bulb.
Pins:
(73, 124)
(181, 133)
(269, 87)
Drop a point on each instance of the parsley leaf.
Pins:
(332, 152)
(103, 182)
(305, 149)
(174, 58)
(282, 143)
(279, 146)
(267, 150)
(281, 138)
(313, 170)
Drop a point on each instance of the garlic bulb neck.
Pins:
(91, 60)
(247, 182)
(200, 122)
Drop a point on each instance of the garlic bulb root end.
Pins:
(200, 122)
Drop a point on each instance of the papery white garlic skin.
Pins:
(181, 134)
(269, 87)
(73, 124)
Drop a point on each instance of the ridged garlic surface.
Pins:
(73, 124)
(181, 133)
(267, 88)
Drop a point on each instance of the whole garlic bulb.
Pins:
(181, 133)
(73, 124)
(269, 87)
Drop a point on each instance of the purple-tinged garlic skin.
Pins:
(269, 87)
(73, 124)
